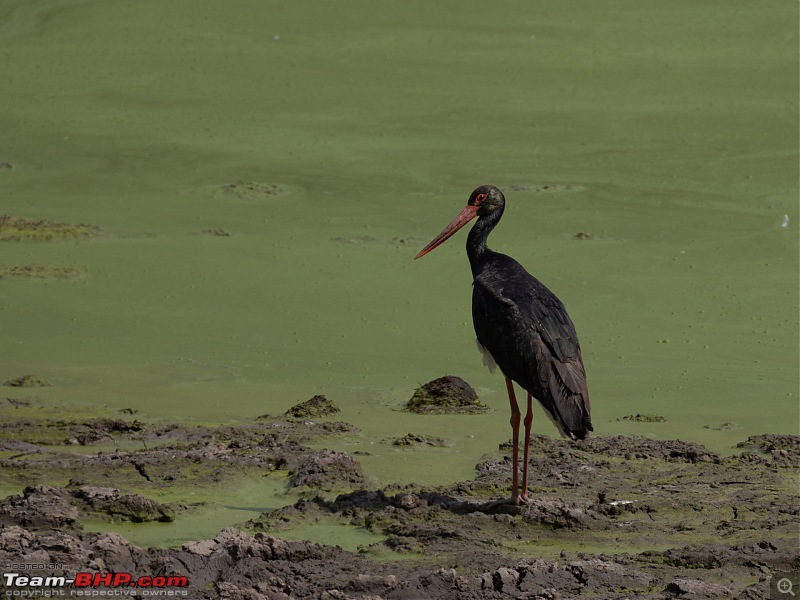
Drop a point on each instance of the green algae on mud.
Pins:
(415, 439)
(27, 272)
(335, 532)
(448, 394)
(599, 498)
(313, 408)
(209, 509)
(18, 229)
(218, 475)
(26, 381)
(640, 418)
(250, 190)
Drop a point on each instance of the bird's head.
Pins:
(484, 201)
(487, 199)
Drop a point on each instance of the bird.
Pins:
(524, 329)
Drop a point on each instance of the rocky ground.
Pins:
(688, 523)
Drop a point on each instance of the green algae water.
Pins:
(262, 174)
(210, 511)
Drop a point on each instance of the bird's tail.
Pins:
(576, 422)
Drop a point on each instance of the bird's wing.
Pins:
(566, 395)
(523, 305)
(531, 337)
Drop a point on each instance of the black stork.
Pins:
(523, 328)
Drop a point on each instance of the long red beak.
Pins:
(464, 217)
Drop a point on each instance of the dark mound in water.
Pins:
(217, 232)
(38, 272)
(17, 229)
(26, 381)
(547, 187)
(448, 394)
(251, 189)
(639, 418)
(418, 439)
(313, 408)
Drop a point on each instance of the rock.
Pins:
(445, 394)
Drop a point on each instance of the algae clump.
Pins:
(26, 381)
(18, 229)
(314, 407)
(38, 272)
(443, 395)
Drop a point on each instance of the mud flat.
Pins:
(612, 517)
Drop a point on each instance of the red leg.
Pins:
(528, 422)
(515, 418)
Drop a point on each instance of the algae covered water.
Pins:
(256, 178)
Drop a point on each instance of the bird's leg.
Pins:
(515, 418)
(528, 422)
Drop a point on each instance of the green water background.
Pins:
(666, 131)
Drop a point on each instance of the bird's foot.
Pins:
(504, 505)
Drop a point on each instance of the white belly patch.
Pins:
(488, 359)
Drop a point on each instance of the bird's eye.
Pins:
(480, 198)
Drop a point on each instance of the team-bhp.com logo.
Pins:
(19, 585)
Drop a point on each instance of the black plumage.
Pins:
(530, 336)
(523, 326)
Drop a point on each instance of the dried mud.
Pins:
(611, 517)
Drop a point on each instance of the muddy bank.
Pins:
(612, 517)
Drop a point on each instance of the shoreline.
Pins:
(616, 516)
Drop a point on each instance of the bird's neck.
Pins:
(477, 249)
